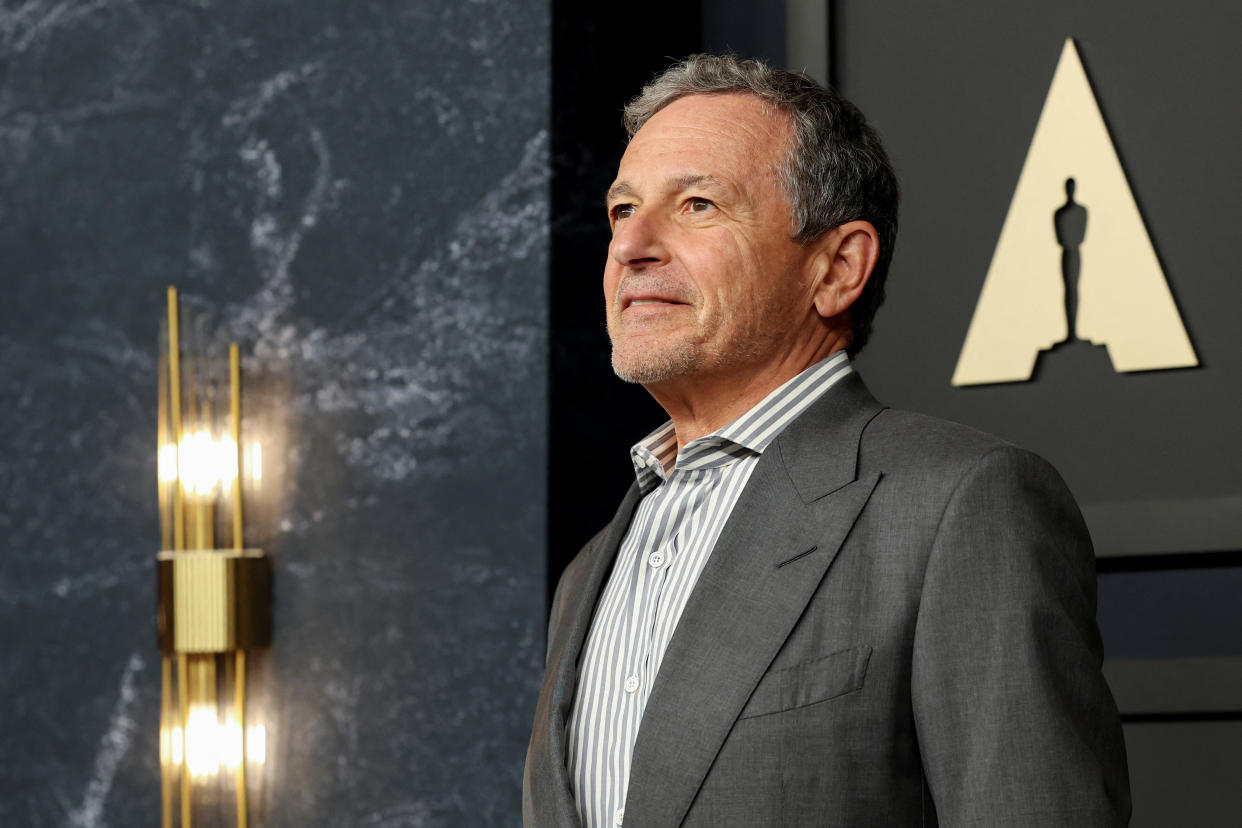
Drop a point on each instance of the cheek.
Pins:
(610, 282)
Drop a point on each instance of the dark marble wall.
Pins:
(357, 192)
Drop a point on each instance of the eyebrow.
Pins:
(624, 189)
(621, 189)
(685, 182)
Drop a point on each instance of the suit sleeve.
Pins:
(1016, 725)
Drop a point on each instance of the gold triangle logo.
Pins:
(1074, 260)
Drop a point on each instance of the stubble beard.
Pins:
(680, 353)
(655, 365)
(662, 357)
(658, 359)
(708, 345)
(685, 352)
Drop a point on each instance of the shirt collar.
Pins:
(749, 434)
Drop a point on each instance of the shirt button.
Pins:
(619, 817)
(640, 461)
(656, 559)
(631, 684)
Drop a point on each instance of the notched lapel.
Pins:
(820, 449)
(748, 598)
(581, 590)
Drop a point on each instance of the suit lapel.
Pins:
(803, 493)
(579, 596)
(547, 788)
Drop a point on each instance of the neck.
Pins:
(700, 404)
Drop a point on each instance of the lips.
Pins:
(637, 296)
(646, 301)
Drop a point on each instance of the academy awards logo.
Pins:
(1074, 263)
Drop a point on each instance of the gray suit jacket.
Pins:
(896, 628)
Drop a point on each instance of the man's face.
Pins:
(703, 278)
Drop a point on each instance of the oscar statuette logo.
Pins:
(1074, 266)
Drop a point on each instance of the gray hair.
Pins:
(835, 171)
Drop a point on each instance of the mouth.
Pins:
(628, 302)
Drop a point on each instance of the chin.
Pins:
(654, 366)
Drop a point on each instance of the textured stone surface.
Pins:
(357, 192)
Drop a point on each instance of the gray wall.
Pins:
(355, 191)
(956, 90)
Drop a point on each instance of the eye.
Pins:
(699, 205)
(620, 211)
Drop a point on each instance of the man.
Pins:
(809, 609)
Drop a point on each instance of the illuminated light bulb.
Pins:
(256, 744)
(231, 742)
(226, 460)
(166, 463)
(198, 474)
(177, 745)
(203, 737)
(225, 451)
(207, 463)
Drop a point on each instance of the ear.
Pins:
(842, 266)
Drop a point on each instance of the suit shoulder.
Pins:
(964, 479)
(897, 439)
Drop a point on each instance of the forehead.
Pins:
(726, 136)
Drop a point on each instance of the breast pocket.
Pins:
(809, 682)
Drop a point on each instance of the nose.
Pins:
(639, 241)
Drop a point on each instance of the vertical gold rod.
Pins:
(207, 684)
(202, 423)
(209, 699)
(161, 440)
(183, 690)
(204, 504)
(239, 677)
(239, 702)
(166, 736)
(174, 398)
(200, 524)
(235, 422)
(192, 424)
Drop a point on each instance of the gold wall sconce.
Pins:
(214, 616)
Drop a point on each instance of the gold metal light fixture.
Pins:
(214, 617)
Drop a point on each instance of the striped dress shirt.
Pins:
(686, 499)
